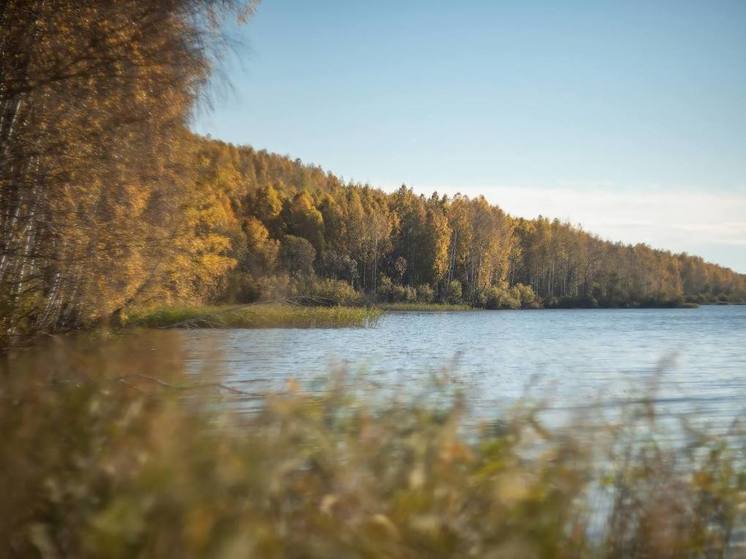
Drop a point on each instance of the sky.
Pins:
(628, 118)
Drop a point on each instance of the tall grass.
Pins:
(423, 307)
(253, 316)
(102, 458)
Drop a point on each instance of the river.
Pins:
(572, 358)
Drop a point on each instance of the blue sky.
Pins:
(627, 117)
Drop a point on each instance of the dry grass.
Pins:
(100, 462)
(253, 316)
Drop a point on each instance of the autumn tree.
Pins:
(94, 96)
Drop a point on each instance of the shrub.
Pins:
(328, 292)
(383, 291)
(390, 292)
(454, 293)
(403, 294)
(526, 295)
(500, 298)
(425, 293)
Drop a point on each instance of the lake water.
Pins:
(697, 357)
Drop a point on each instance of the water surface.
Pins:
(696, 356)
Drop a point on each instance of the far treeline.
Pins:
(295, 229)
(108, 202)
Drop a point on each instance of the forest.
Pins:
(293, 228)
(108, 202)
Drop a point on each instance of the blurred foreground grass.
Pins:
(253, 316)
(103, 455)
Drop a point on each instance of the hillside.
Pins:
(286, 221)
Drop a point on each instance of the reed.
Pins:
(253, 316)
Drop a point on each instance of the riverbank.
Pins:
(275, 315)
(252, 316)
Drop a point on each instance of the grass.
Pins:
(102, 460)
(423, 307)
(253, 316)
(272, 315)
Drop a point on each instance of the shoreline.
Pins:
(274, 315)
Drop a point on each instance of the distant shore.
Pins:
(279, 315)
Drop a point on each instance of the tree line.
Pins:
(107, 201)
(295, 228)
